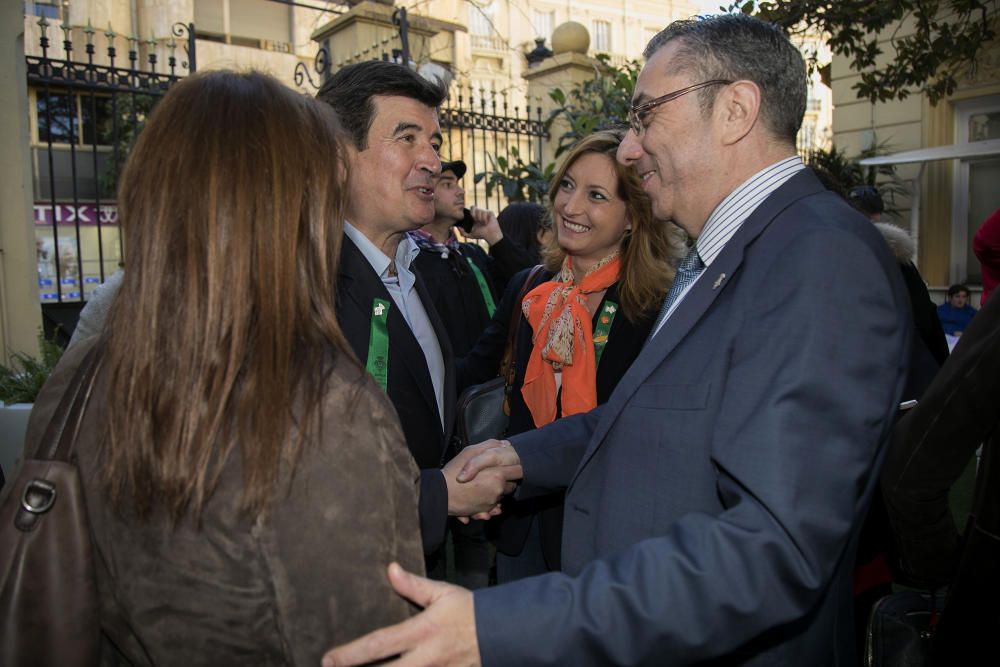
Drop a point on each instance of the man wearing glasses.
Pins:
(713, 504)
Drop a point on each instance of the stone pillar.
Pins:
(20, 311)
(366, 31)
(569, 67)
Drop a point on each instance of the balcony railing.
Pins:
(488, 43)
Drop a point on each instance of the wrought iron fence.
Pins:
(481, 126)
(492, 136)
(85, 113)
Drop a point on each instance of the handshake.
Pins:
(479, 477)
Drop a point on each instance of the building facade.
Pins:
(955, 195)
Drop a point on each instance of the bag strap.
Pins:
(60, 436)
(507, 361)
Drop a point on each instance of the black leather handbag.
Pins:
(900, 629)
(481, 413)
(49, 610)
(483, 409)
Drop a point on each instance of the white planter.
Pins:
(13, 425)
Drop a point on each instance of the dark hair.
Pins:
(956, 289)
(521, 221)
(866, 198)
(351, 89)
(739, 47)
(231, 204)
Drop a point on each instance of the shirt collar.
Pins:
(406, 251)
(425, 241)
(733, 211)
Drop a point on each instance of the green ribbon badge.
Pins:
(377, 364)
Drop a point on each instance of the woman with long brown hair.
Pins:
(585, 316)
(247, 482)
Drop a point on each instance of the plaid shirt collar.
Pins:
(425, 241)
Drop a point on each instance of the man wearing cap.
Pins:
(458, 275)
(459, 280)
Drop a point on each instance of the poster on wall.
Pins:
(77, 248)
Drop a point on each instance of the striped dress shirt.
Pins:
(732, 212)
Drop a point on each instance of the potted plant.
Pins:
(20, 383)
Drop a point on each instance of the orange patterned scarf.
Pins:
(563, 339)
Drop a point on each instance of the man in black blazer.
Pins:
(389, 114)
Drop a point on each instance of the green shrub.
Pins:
(23, 379)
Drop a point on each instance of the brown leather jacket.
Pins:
(280, 590)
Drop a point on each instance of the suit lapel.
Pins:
(696, 303)
(447, 355)
(361, 285)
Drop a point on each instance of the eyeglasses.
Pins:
(637, 113)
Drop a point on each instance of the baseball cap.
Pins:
(456, 167)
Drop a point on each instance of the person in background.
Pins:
(584, 320)
(868, 200)
(230, 447)
(955, 314)
(526, 224)
(873, 572)
(95, 312)
(929, 356)
(986, 246)
(459, 278)
(932, 446)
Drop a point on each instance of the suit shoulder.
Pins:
(824, 214)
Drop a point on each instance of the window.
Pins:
(259, 24)
(807, 137)
(481, 19)
(542, 22)
(602, 36)
(50, 9)
(61, 115)
(57, 118)
(975, 194)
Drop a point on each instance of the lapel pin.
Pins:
(718, 281)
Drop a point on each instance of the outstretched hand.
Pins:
(443, 634)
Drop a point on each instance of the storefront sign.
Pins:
(84, 214)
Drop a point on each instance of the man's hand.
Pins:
(478, 493)
(485, 455)
(443, 634)
(487, 227)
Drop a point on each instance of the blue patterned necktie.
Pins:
(688, 270)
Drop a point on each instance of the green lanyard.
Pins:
(608, 311)
(483, 287)
(378, 344)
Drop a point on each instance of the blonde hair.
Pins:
(649, 252)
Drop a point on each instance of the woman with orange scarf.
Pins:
(584, 318)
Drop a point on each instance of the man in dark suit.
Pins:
(389, 114)
(458, 275)
(713, 503)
